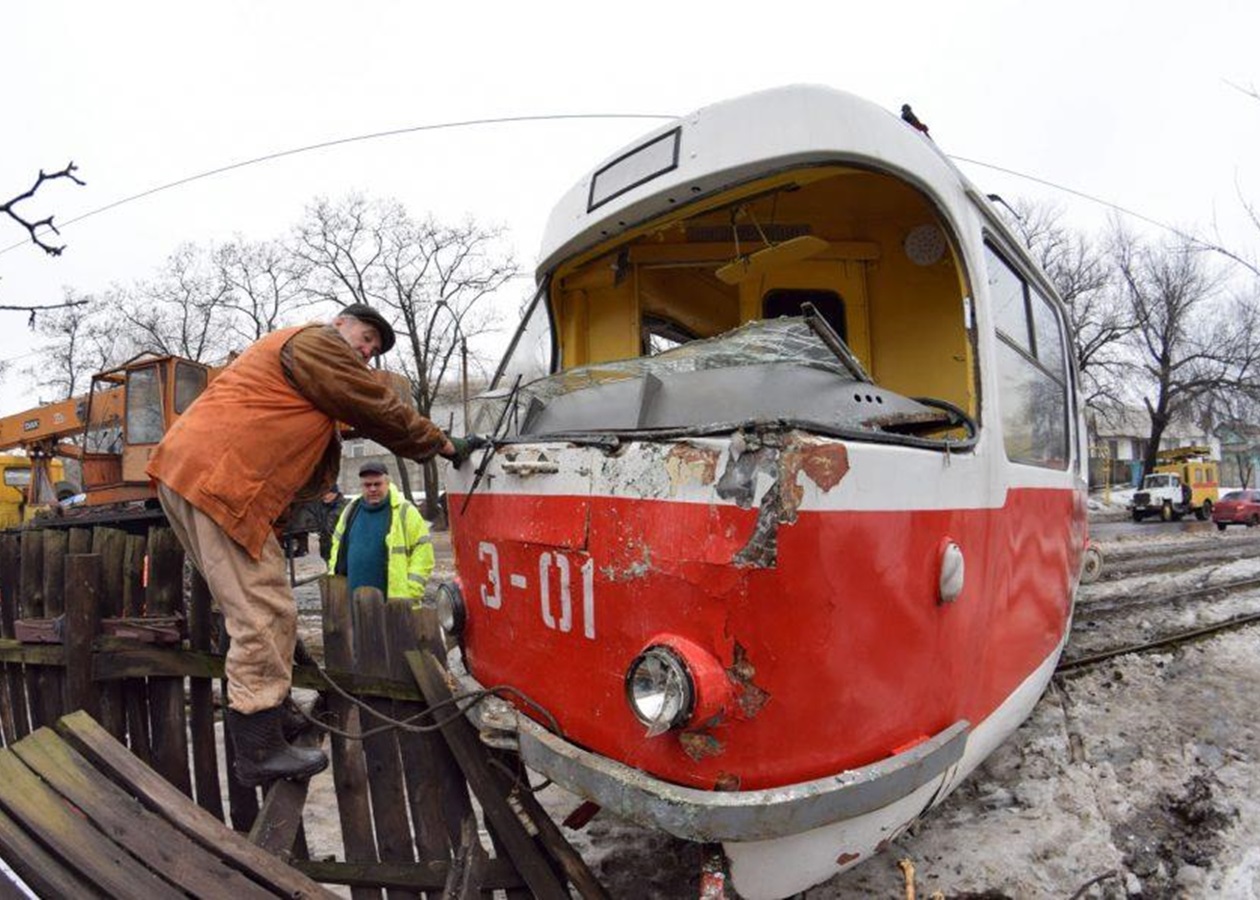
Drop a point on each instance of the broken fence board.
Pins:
(83, 578)
(111, 758)
(110, 545)
(431, 875)
(384, 764)
(534, 867)
(116, 813)
(349, 765)
(71, 838)
(41, 871)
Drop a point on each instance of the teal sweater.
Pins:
(366, 562)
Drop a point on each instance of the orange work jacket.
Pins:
(248, 444)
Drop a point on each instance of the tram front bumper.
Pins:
(700, 815)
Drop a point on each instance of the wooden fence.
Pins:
(112, 623)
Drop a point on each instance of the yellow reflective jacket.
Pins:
(408, 544)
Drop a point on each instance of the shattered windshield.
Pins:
(778, 372)
(784, 340)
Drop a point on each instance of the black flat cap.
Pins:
(365, 313)
(373, 468)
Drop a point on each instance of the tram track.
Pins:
(1161, 595)
(1162, 643)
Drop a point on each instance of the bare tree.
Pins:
(1187, 344)
(431, 280)
(80, 340)
(266, 281)
(1082, 273)
(185, 311)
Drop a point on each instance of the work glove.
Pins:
(463, 450)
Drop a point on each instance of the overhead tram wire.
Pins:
(555, 117)
(322, 145)
(1084, 196)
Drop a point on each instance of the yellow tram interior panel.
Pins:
(903, 318)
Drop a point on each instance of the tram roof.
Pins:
(735, 141)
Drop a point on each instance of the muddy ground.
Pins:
(1141, 776)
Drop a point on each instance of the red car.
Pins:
(1237, 508)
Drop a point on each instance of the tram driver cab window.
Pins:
(788, 302)
(1033, 378)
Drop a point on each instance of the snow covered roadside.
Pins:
(1146, 767)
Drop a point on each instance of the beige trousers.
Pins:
(255, 599)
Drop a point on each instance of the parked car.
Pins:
(1237, 508)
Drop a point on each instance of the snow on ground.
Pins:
(1143, 771)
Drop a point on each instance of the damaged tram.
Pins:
(784, 512)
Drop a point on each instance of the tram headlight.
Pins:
(660, 690)
(450, 608)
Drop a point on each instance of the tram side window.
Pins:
(1032, 369)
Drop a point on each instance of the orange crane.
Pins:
(112, 430)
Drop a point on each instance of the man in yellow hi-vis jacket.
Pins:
(381, 540)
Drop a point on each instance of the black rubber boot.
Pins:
(262, 753)
(293, 724)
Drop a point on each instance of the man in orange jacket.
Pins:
(263, 433)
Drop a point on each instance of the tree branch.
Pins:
(32, 228)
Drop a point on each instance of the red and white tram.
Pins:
(784, 514)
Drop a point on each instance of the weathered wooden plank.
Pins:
(72, 838)
(40, 687)
(160, 630)
(135, 548)
(12, 694)
(460, 884)
(384, 765)
(349, 766)
(54, 589)
(279, 822)
(31, 576)
(170, 853)
(80, 541)
(15, 651)
(556, 844)
(83, 579)
(42, 872)
(488, 787)
(168, 720)
(436, 790)
(39, 631)
(135, 692)
(158, 795)
(110, 545)
(124, 658)
(136, 707)
(201, 703)
(491, 874)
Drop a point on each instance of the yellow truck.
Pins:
(1185, 481)
(16, 504)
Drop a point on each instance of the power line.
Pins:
(558, 117)
(466, 123)
(1084, 196)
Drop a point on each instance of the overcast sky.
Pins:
(1130, 101)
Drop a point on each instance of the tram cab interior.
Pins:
(866, 249)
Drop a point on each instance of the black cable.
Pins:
(467, 123)
(476, 696)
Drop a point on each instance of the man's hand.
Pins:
(459, 449)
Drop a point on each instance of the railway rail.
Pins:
(1162, 643)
